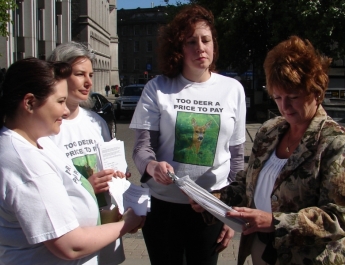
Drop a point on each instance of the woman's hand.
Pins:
(256, 220)
(133, 221)
(196, 207)
(159, 170)
(224, 238)
(133, 231)
(121, 175)
(99, 180)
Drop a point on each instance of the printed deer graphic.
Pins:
(198, 135)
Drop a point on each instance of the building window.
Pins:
(18, 20)
(136, 30)
(136, 64)
(123, 30)
(149, 64)
(58, 23)
(149, 46)
(124, 64)
(122, 46)
(41, 24)
(136, 46)
(149, 30)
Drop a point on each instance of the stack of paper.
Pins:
(112, 155)
(125, 194)
(209, 202)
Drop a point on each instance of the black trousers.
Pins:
(173, 231)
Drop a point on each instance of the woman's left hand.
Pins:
(99, 180)
(119, 174)
(224, 238)
(196, 207)
(256, 220)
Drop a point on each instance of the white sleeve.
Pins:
(43, 208)
(147, 112)
(239, 133)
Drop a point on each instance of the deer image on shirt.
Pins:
(198, 135)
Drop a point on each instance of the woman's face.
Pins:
(297, 108)
(49, 115)
(198, 49)
(80, 81)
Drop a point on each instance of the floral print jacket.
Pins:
(308, 198)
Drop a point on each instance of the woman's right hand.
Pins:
(256, 220)
(99, 180)
(159, 171)
(132, 221)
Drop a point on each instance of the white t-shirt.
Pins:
(42, 197)
(77, 139)
(197, 123)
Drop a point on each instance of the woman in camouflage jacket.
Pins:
(306, 220)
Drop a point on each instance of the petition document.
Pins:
(209, 202)
(112, 155)
(125, 194)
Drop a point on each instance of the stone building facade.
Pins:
(38, 26)
(94, 24)
(41, 25)
(137, 31)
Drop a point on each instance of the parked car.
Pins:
(128, 99)
(106, 110)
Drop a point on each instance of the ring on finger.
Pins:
(247, 225)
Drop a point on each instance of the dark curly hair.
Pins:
(172, 36)
(294, 65)
(29, 75)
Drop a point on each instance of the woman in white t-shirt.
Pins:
(48, 211)
(81, 131)
(190, 121)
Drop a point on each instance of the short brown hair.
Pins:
(294, 65)
(172, 36)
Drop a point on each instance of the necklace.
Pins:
(287, 149)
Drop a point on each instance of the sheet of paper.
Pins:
(112, 155)
(209, 202)
(126, 194)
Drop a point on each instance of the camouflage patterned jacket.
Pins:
(308, 198)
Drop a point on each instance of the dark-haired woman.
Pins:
(48, 211)
(189, 120)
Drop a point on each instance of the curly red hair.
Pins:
(294, 65)
(172, 37)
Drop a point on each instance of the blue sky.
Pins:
(132, 4)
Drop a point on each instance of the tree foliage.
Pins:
(248, 29)
(5, 18)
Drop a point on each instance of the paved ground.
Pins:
(135, 249)
(136, 253)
